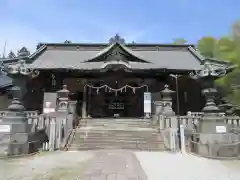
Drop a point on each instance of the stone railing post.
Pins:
(52, 132)
(182, 136)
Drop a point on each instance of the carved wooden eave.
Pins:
(228, 66)
(20, 68)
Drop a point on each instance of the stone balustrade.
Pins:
(216, 146)
(56, 126)
(192, 120)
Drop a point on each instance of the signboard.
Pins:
(50, 102)
(147, 102)
(221, 129)
(5, 128)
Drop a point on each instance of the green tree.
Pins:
(179, 41)
(236, 32)
(227, 49)
(206, 46)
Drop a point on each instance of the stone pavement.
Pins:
(172, 166)
(117, 165)
(84, 165)
(114, 165)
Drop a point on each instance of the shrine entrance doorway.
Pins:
(116, 100)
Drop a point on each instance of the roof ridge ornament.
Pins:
(117, 39)
(23, 52)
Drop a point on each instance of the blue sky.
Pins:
(27, 22)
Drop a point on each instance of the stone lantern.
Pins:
(212, 126)
(207, 76)
(212, 118)
(167, 101)
(14, 123)
(63, 99)
(19, 73)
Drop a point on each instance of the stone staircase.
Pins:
(132, 134)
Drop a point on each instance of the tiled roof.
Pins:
(54, 57)
(5, 81)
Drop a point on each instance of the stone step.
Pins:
(119, 145)
(115, 122)
(90, 136)
(110, 140)
(116, 126)
(153, 138)
(117, 137)
(117, 148)
(156, 147)
(117, 134)
(117, 130)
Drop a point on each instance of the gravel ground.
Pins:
(48, 166)
(167, 166)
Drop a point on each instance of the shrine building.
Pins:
(108, 79)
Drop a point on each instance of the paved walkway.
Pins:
(117, 165)
(88, 165)
(114, 165)
(168, 166)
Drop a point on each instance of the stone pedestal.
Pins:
(158, 105)
(213, 133)
(72, 108)
(15, 131)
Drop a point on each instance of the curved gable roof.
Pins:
(87, 56)
(116, 45)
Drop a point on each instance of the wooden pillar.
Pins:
(89, 98)
(84, 100)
